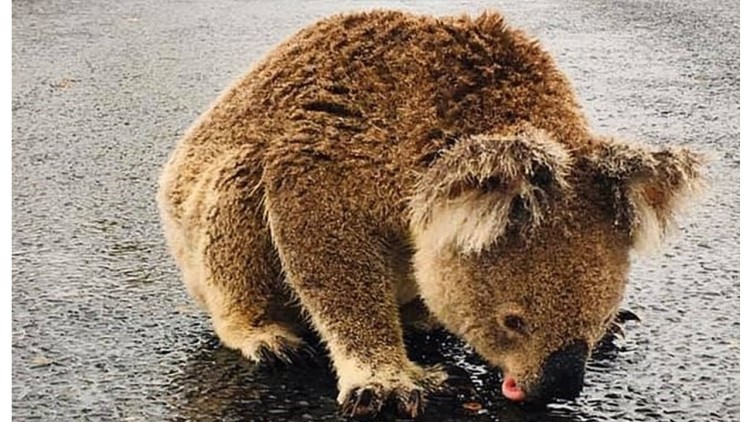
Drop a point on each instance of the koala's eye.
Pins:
(515, 323)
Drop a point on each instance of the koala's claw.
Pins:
(280, 354)
(363, 402)
(413, 406)
(367, 402)
(614, 331)
(622, 317)
(625, 315)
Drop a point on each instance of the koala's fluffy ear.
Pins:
(484, 183)
(648, 186)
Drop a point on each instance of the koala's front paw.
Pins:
(368, 401)
(265, 343)
(406, 390)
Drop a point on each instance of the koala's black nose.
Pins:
(562, 373)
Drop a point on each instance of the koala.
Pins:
(379, 159)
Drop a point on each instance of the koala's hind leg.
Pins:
(239, 270)
(331, 257)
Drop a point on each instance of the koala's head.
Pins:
(522, 247)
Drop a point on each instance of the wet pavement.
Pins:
(102, 327)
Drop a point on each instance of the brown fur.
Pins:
(374, 157)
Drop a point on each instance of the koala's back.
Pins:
(384, 88)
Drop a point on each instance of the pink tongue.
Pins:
(512, 391)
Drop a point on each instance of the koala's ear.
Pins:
(480, 185)
(648, 186)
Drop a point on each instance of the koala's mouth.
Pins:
(561, 377)
(512, 390)
(531, 399)
(516, 393)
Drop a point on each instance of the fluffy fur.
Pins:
(378, 159)
(467, 196)
(650, 187)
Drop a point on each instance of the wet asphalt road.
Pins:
(102, 327)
